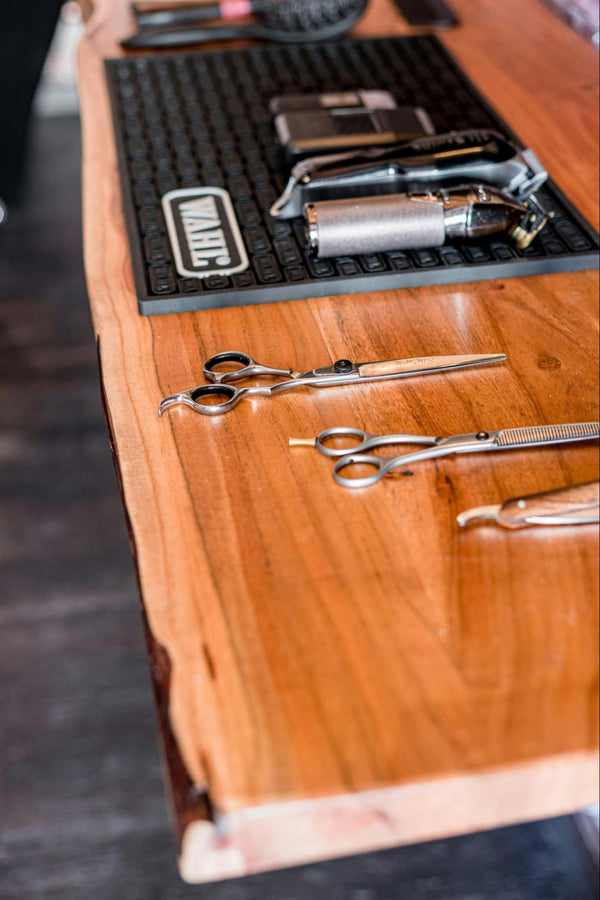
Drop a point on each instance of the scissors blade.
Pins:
(420, 365)
(577, 517)
(548, 434)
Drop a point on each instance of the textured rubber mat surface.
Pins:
(199, 119)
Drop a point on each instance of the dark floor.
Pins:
(82, 804)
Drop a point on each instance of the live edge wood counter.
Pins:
(345, 670)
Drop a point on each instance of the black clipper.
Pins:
(444, 160)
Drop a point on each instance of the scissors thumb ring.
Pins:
(378, 463)
(356, 441)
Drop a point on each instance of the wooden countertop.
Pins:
(338, 671)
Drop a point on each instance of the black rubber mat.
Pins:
(202, 119)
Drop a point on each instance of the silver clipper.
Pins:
(418, 220)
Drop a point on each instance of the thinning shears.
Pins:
(221, 396)
(481, 441)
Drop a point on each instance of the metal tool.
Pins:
(481, 441)
(438, 161)
(221, 396)
(575, 505)
(414, 220)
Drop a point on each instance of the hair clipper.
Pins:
(478, 157)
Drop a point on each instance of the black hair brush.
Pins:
(285, 21)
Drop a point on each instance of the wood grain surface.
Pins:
(348, 669)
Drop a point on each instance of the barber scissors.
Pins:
(221, 396)
(481, 441)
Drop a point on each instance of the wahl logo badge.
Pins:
(204, 233)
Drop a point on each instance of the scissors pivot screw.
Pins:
(482, 435)
(342, 365)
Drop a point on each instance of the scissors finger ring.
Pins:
(219, 398)
(349, 462)
(246, 367)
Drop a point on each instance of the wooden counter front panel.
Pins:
(324, 641)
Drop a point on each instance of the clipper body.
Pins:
(415, 220)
